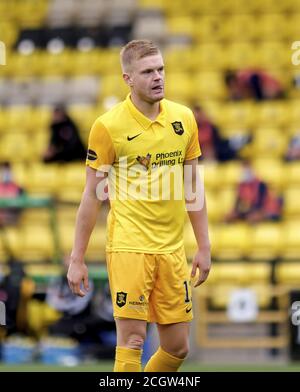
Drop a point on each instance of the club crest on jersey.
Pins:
(121, 299)
(178, 127)
(145, 161)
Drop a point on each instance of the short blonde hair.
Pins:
(136, 50)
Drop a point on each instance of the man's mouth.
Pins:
(157, 88)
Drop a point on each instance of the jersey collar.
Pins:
(144, 121)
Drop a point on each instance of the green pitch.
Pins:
(188, 367)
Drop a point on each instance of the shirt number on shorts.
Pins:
(187, 299)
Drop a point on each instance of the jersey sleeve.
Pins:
(101, 152)
(193, 149)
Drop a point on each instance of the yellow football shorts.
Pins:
(151, 287)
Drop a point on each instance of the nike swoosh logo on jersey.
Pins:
(188, 310)
(133, 137)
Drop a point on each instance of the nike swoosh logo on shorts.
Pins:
(188, 310)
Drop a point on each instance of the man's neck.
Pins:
(150, 110)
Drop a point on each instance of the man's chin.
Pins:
(158, 96)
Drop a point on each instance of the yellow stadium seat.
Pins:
(226, 277)
(288, 273)
(40, 315)
(269, 143)
(43, 179)
(66, 214)
(66, 237)
(21, 65)
(241, 25)
(40, 119)
(31, 13)
(84, 116)
(233, 241)
(213, 110)
(57, 65)
(230, 174)
(212, 7)
(272, 114)
(17, 118)
(208, 57)
(291, 198)
(240, 273)
(265, 55)
(226, 199)
(294, 112)
(37, 243)
(69, 195)
(222, 294)
(96, 248)
(233, 131)
(111, 62)
(266, 241)
(292, 172)
(272, 26)
(277, 6)
(272, 171)
(32, 216)
(214, 208)
(72, 177)
(9, 28)
(15, 147)
(239, 114)
(291, 240)
(173, 59)
(112, 86)
(10, 243)
(159, 4)
(179, 86)
(40, 143)
(292, 27)
(175, 8)
(92, 62)
(209, 85)
(211, 175)
(239, 55)
(208, 28)
(20, 173)
(180, 25)
(2, 120)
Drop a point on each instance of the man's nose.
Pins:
(157, 75)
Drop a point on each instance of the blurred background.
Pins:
(231, 62)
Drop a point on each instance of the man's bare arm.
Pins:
(85, 223)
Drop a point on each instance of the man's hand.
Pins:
(78, 273)
(201, 261)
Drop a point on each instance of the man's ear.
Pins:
(127, 79)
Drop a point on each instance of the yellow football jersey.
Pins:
(144, 160)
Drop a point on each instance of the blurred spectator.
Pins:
(65, 143)
(252, 83)
(213, 146)
(8, 190)
(86, 318)
(74, 309)
(15, 291)
(293, 152)
(255, 202)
